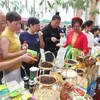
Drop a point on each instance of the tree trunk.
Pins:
(26, 3)
(45, 6)
(6, 1)
(93, 6)
(34, 8)
(79, 12)
(20, 3)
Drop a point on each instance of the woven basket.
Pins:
(44, 84)
(42, 59)
(46, 94)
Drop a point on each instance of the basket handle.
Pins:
(46, 53)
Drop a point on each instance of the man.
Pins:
(2, 27)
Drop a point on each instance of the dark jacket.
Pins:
(49, 32)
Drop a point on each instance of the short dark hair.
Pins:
(13, 16)
(56, 16)
(33, 21)
(94, 29)
(88, 23)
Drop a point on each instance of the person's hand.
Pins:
(82, 54)
(21, 52)
(53, 39)
(27, 58)
(24, 46)
(40, 34)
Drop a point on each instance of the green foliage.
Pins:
(79, 4)
(2, 3)
(96, 11)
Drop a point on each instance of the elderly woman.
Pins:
(76, 41)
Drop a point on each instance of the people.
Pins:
(10, 46)
(76, 41)
(95, 31)
(87, 27)
(51, 35)
(2, 27)
(34, 39)
(64, 29)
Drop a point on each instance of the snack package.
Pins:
(91, 89)
(3, 91)
(33, 53)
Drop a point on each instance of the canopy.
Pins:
(25, 15)
(46, 18)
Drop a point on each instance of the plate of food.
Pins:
(46, 80)
(60, 44)
(69, 73)
(46, 65)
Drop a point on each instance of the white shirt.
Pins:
(90, 38)
(96, 39)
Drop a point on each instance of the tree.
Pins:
(79, 5)
(94, 10)
(55, 5)
(2, 3)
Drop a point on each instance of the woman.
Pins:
(87, 26)
(34, 39)
(11, 47)
(76, 41)
(95, 31)
(51, 36)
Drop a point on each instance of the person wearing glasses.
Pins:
(76, 41)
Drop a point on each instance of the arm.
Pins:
(41, 40)
(8, 64)
(4, 45)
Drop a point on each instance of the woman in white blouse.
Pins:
(87, 28)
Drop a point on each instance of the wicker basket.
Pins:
(44, 68)
(46, 94)
(42, 59)
(44, 84)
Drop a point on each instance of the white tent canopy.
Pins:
(4, 10)
(46, 16)
(25, 14)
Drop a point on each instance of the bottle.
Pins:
(26, 79)
(31, 86)
(24, 46)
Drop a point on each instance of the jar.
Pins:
(31, 86)
(26, 79)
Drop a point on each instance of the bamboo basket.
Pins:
(44, 84)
